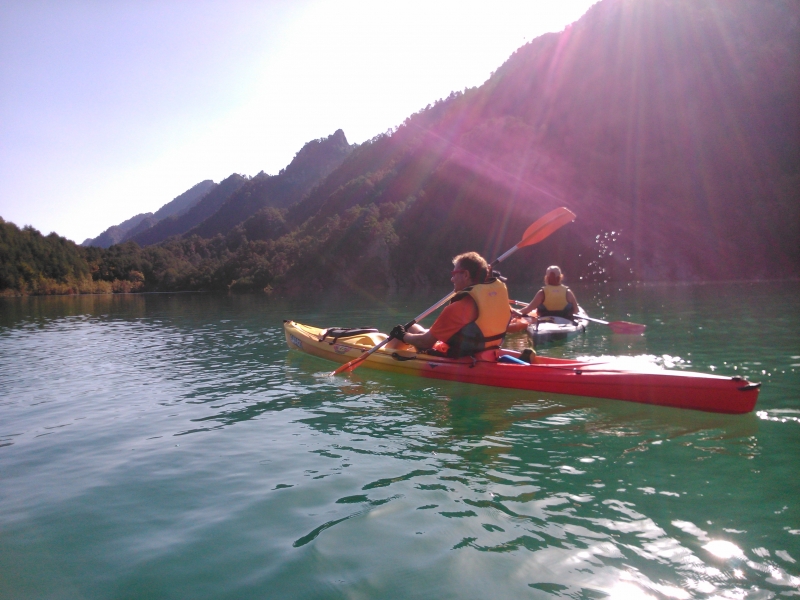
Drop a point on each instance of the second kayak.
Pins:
(552, 329)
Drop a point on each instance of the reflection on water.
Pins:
(171, 445)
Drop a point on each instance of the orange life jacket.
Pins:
(555, 302)
(489, 329)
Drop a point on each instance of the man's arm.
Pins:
(448, 323)
(422, 341)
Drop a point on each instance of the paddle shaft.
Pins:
(359, 359)
(577, 316)
(534, 234)
(612, 324)
(588, 318)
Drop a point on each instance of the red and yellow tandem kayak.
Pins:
(682, 389)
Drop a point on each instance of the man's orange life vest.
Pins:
(489, 329)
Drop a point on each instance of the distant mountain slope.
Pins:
(185, 201)
(145, 225)
(119, 233)
(207, 206)
(116, 233)
(680, 120)
(310, 166)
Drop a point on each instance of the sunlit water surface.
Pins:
(172, 446)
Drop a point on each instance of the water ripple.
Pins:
(176, 443)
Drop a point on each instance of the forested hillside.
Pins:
(670, 127)
(35, 264)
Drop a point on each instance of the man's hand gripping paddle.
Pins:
(538, 231)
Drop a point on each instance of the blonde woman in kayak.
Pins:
(475, 320)
(554, 299)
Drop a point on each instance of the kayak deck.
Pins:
(553, 329)
(682, 389)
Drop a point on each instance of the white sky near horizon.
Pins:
(110, 109)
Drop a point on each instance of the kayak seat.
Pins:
(334, 333)
(366, 339)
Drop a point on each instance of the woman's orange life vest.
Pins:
(555, 297)
(555, 302)
(489, 329)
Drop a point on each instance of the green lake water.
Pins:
(172, 446)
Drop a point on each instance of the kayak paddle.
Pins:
(623, 327)
(539, 230)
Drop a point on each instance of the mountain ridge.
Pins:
(141, 222)
(115, 233)
(180, 224)
(312, 163)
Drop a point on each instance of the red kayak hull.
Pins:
(608, 379)
(671, 388)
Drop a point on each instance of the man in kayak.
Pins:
(475, 320)
(554, 299)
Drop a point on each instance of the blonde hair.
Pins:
(553, 275)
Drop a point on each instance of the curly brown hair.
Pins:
(475, 264)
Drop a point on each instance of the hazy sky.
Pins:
(112, 108)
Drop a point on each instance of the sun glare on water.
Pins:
(723, 549)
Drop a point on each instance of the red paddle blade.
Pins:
(627, 328)
(546, 225)
(348, 366)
